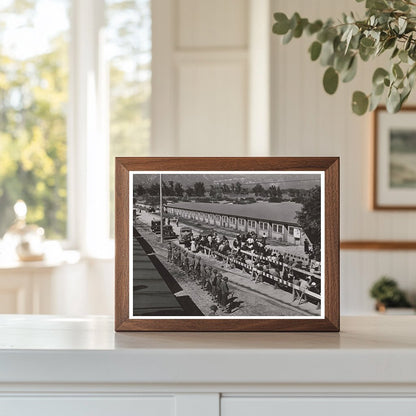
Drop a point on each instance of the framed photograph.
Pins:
(394, 180)
(227, 244)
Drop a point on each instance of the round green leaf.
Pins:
(314, 27)
(379, 75)
(359, 103)
(393, 101)
(397, 71)
(374, 102)
(403, 56)
(330, 80)
(315, 50)
(351, 71)
(281, 27)
(288, 37)
(367, 42)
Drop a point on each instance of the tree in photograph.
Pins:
(172, 187)
(272, 191)
(275, 194)
(190, 191)
(139, 190)
(179, 189)
(309, 219)
(238, 188)
(258, 190)
(225, 188)
(199, 189)
(154, 189)
(279, 194)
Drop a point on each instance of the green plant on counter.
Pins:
(389, 27)
(388, 294)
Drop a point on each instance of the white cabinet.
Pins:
(88, 406)
(51, 365)
(270, 406)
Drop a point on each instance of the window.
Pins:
(252, 224)
(33, 109)
(129, 46)
(263, 225)
(241, 221)
(277, 228)
(59, 134)
(290, 229)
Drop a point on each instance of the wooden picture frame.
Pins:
(130, 168)
(388, 192)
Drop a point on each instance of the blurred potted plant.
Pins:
(387, 294)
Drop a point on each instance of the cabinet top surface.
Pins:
(53, 350)
(43, 332)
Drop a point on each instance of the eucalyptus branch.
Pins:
(389, 25)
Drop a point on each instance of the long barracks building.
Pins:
(277, 220)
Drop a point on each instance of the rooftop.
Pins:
(281, 212)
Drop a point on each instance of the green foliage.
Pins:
(386, 291)
(389, 26)
(331, 80)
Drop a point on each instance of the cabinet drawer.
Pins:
(273, 406)
(87, 406)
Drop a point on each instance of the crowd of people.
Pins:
(250, 253)
(247, 253)
(206, 276)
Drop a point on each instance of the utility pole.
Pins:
(161, 210)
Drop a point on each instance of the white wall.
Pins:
(200, 77)
(214, 71)
(308, 122)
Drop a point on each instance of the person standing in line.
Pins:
(218, 291)
(295, 287)
(224, 290)
(264, 238)
(208, 285)
(170, 249)
(213, 310)
(179, 258)
(197, 270)
(192, 264)
(193, 246)
(304, 286)
(203, 275)
(214, 279)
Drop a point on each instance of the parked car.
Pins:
(185, 234)
(168, 233)
(155, 226)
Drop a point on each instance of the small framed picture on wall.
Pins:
(394, 177)
(227, 244)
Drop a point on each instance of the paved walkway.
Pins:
(154, 288)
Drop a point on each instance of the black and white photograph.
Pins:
(227, 244)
